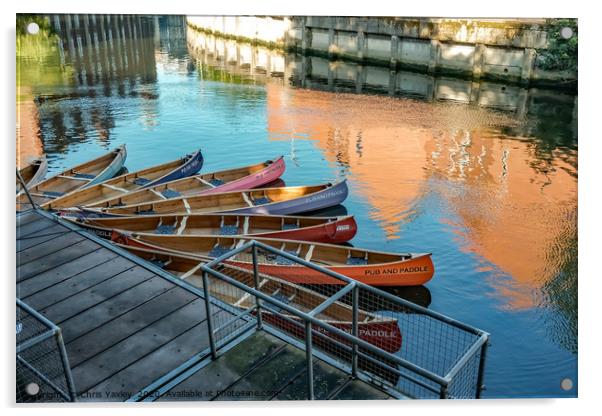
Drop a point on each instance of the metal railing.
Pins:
(43, 371)
(350, 324)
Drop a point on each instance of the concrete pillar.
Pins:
(57, 23)
(361, 44)
(528, 63)
(477, 65)
(394, 51)
(475, 89)
(305, 36)
(522, 105)
(434, 59)
(331, 45)
(392, 82)
(360, 78)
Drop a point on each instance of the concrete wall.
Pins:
(263, 65)
(477, 49)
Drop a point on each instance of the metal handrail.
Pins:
(53, 331)
(315, 321)
(309, 319)
(361, 285)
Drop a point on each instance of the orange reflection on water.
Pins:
(512, 209)
(29, 144)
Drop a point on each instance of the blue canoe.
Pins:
(287, 200)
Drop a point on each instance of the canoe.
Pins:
(129, 182)
(81, 176)
(381, 331)
(264, 201)
(318, 229)
(242, 178)
(374, 268)
(33, 173)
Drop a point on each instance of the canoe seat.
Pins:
(261, 200)
(216, 182)
(219, 251)
(165, 229)
(281, 298)
(278, 259)
(170, 193)
(142, 181)
(146, 212)
(290, 226)
(158, 263)
(228, 230)
(52, 194)
(356, 261)
(83, 175)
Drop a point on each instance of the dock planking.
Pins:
(125, 325)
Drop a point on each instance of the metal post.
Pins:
(256, 276)
(310, 364)
(66, 367)
(209, 318)
(480, 378)
(443, 392)
(354, 330)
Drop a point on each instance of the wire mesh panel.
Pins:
(418, 352)
(43, 375)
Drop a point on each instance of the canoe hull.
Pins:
(383, 334)
(191, 167)
(39, 167)
(337, 230)
(326, 198)
(264, 176)
(110, 170)
(414, 272)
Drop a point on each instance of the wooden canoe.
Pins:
(374, 268)
(265, 201)
(130, 182)
(246, 177)
(332, 230)
(33, 173)
(81, 176)
(381, 331)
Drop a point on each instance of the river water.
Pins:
(482, 175)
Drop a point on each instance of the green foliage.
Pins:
(38, 58)
(561, 53)
(24, 19)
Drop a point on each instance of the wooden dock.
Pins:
(126, 325)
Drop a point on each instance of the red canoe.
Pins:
(332, 230)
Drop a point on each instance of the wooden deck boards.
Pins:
(125, 325)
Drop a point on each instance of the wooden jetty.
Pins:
(130, 327)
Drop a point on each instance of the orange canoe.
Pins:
(374, 268)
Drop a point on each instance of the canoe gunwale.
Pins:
(328, 221)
